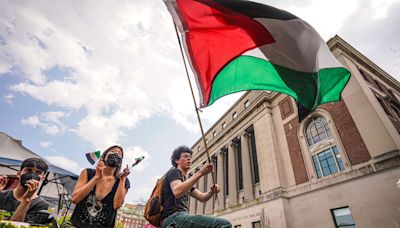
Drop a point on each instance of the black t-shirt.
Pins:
(9, 203)
(91, 212)
(169, 202)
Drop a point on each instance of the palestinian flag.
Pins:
(93, 157)
(235, 45)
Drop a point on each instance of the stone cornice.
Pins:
(338, 43)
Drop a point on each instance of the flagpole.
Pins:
(194, 102)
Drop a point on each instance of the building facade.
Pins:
(336, 168)
(131, 216)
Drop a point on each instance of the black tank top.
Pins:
(92, 213)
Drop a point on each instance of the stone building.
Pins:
(131, 216)
(336, 168)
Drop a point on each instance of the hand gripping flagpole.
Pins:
(195, 106)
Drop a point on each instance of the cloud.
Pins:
(49, 122)
(373, 30)
(130, 155)
(143, 190)
(32, 121)
(64, 163)
(8, 98)
(123, 60)
(4, 68)
(45, 144)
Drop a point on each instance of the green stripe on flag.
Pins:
(251, 73)
(97, 153)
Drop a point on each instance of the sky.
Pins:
(80, 76)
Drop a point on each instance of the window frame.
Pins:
(234, 115)
(334, 140)
(247, 104)
(334, 218)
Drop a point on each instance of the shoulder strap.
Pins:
(165, 174)
(90, 175)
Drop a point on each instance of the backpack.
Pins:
(153, 207)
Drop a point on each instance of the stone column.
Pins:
(246, 168)
(200, 205)
(192, 204)
(209, 203)
(220, 205)
(233, 193)
(268, 153)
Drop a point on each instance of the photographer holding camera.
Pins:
(23, 200)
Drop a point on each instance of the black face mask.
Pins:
(113, 160)
(28, 176)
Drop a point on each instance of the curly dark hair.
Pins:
(176, 154)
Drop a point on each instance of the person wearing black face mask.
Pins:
(113, 160)
(100, 192)
(22, 200)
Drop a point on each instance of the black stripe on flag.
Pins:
(253, 9)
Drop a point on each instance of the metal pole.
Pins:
(194, 102)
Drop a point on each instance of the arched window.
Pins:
(317, 130)
(325, 154)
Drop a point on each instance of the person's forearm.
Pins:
(79, 194)
(185, 186)
(20, 213)
(120, 194)
(206, 196)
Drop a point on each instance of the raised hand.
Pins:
(215, 189)
(125, 172)
(32, 185)
(99, 170)
(3, 182)
(207, 168)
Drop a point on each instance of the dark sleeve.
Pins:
(173, 175)
(3, 195)
(40, 205)
(37, 206)
(127, 184)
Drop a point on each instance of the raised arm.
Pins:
(179, 188)
(121, 190)
(83, 186)
(23, 207)
(205, 196)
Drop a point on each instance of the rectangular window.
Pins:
(343, 218)
(327, 162)
(240, 168)
(215, 163)
(226, 174)
(234, 115)
(256, 224)
(384, 106)
(254, 157)
(393, 96)
(246, 104)
(364, 75)
(316, 166)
